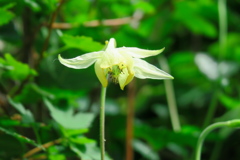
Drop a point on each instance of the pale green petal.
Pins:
(139, 53)
(122, 79)
(101, 75)
(144, 70)
(82, 61)
(111, 44)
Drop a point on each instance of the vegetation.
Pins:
(49, 111)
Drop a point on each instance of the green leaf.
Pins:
(145, 7)
(145, 150)
(186, 13)
(229, 102)
(82, 43)
(81, 140)
(67, 119)
(27, 116)
(9, 122)
(158, 138)
(19, 70)
(73, 132)
(6, 16)
(32, 93)
(87, 151)
(33, 5)
(55, 153)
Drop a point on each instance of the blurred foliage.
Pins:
(45, 103)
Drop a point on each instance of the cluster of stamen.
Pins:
(115, 71)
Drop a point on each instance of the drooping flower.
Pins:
(121, 64)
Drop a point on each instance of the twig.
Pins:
(130, 119)
(54, 15)
(38, 149)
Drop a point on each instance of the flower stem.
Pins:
(102, 122)
(206, 131)
(222, 13)
(211, 110)
(170, 97)
(130, 121)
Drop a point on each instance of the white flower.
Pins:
(121, 64)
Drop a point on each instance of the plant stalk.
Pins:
(222, 13)
(102, 122)
(206, 131)
(130, 121)
(170, 97)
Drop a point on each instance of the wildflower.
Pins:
(121, 64)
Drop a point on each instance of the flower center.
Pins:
(115, 71)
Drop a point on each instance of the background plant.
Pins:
(42, 102)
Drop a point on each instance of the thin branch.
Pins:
(133, 20)
(38, 149)
(130, 120)
(53, 18)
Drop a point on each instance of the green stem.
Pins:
(222, 12)
(170, 97)
(206, 131)
(36, 129)
(102, 122)
(211, 110)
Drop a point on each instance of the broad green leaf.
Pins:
(88, 151)
(33, 5)
(158, 138)
(145, 150)
(73, 132)
(68, 119)
(19, 70)
(55, 153)
(27, 116)
(32, 93)
(229, 102)
(6, 16)
(9, 122)
(144, 6)
(81, 140)
(186, 13)
(82, 42)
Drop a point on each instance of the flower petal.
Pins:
(139, 53)
(100, 72)
(144, 70)
(82, 61)
(122, 78)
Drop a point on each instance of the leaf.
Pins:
(6, 16)
(207, 65)
(33, 5)
(82, 42)
(81, 140)
(27, 116)
(186, 13)
(229, 102)
(20, 137)
(31, 93)
(19, 70)
(158, 138)
(145, 7)
(67, 119)
(9, 122)
(88, 151)
(145, 150)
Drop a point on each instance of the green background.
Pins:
(42, 101)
